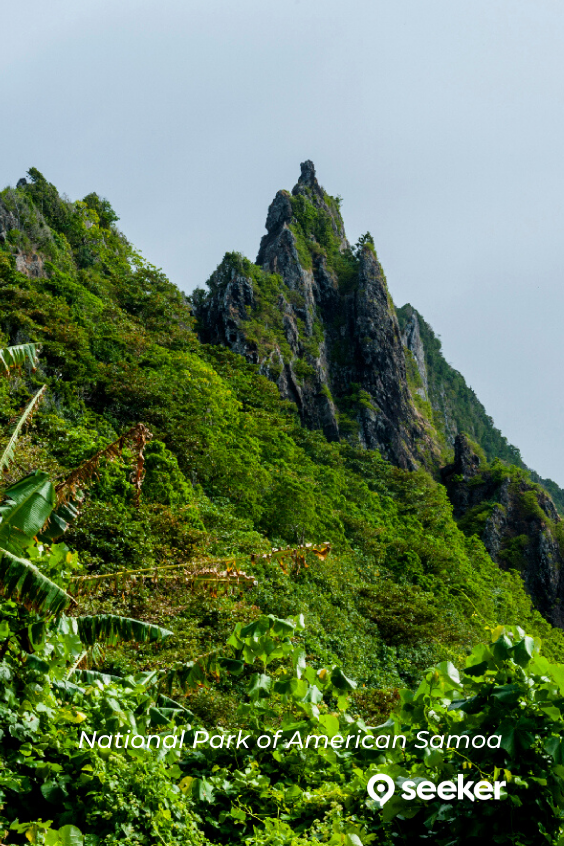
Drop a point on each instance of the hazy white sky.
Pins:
(440, 122)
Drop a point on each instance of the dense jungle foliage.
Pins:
(227, 474)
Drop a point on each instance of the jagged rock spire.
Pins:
(333, 342)
(307, 180)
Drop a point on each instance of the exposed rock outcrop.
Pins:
(8, 221)
(411, 337)
(228, 305)
(515, 519)
(30, 263)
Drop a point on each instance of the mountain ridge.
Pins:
(372, 375)
(310, 328)
(316, 319)
(328, 333)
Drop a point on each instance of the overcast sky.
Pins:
(440, 123)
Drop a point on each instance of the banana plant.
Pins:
(12, 357)
(24, 510)
(32, 508)
(8, 454)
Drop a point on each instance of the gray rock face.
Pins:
(31, 264)
(230, 300)
(8, 221)
(374, 361)
(337, 351)
(411, 338)
(519, 525)
(465, 467)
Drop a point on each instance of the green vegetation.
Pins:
(314, 230)
(520, 505)
(456, 408)
(227, 475)
(506, 689)
(556, 493)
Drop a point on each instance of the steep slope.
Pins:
(455, 407)
(494, 496)
(515, 519)
(230, 470)
(317, 317)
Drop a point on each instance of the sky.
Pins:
(439, 122)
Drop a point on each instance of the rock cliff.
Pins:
(316, 316)
(452, 404)
(516, 520)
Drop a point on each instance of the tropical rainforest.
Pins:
(180, 553)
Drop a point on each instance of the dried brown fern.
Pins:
(137, 437)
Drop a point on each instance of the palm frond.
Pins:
(60, 520)
(21, 580)
(8, 454)
(186, 676)
(17, 356)
(166, 702)
(113, 629)
(194, 573)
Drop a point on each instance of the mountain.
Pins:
(316, 316)
(270, 573)
(231, 469)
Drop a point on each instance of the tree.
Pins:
(103, 208)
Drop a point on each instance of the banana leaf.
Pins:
(25, 510)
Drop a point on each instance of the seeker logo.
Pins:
(382, 787)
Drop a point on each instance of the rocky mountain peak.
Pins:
(317, 317)
(308, 180)
(279, 213)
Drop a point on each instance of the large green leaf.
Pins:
(112, 629)
(25, 510)
(17, 356)
(60, 520)
(341, 681)
(70, 835)
(91, 676)
(22, 581)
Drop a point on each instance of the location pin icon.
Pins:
(381, 788)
